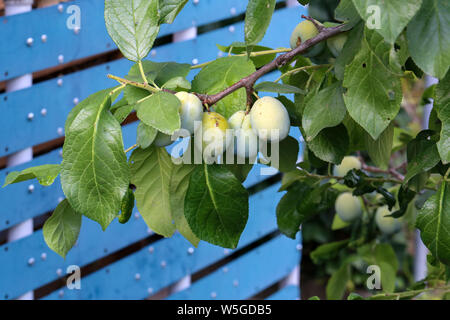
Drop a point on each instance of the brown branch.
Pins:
(319, 26)
(249, 81)
(390, 171)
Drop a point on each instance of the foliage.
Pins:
(353, 99)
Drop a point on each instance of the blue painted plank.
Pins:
(117, 281)
(287, 293)
(17, 58)
(246, 275)
(92, 245)
(58, 100)
(18, 204)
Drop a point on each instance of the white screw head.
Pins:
(213, 295)
(43, 256)
(163, 264)
(44, 38)
(220, 54)
(60, 199)
(196, 1)
(31, 188)
(136, 215)
(60, 131)
(190, 250)
(30, 41)
(76, 100)
(226, 251)
(137, 276)
(31, 261)
(59, 271)
(233, 11)
(76, 30)
(225, 269)
(151, 249)
(30, 116)
(61, 58)
(60, 82)
(61, 293)
(149, 231)
(235, 283)
(299, 247)
(44, 112)
(195, 61)
(231, 28)
(60, 154)
(153, 53)
(150, 290)
(60, 8)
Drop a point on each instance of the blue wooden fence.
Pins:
(27, 264)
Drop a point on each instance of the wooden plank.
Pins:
(246, 275)
(17, 58)
(287, 293)
(117, 281)
(18, 204)
(58, 100)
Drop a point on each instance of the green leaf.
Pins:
(331, 144)
(268, 86)
(336, 286)
(442, 107)
(159, 72)
(241, 47)
(133, 25)
(179, 183)
(94, 170)
(127, 206)
(298, 204)
(374, 91)
(216, 205)
(257, 19)
(121, 113)
(422, 155)
(434, 223)
(346, 12)
(169, 9)
(327, 251)
(288, 154)
(380, 149)
(338, 223)
(150, 172)
(387, 260)
(160, 111)
(134, 94)
(350, 49)
(45, 174)
(145, 135)
(394, 15)
(325, 109)
(177, 83)
(62, 228)
(221, 74)
(428, 40)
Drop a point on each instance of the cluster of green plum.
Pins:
(267, 120)
(349, 207)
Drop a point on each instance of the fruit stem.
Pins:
(123, 81)
(253, 54)
(293, 71)
(134, 146)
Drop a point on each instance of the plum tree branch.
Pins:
(249, 81)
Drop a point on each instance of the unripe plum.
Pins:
(191, 110)
(214, 140)
(387, 225)
(245, 139)
(269, 114)
(336, 43)
(306, 30)
(348, 207)
(347, 164)
(162, 140)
